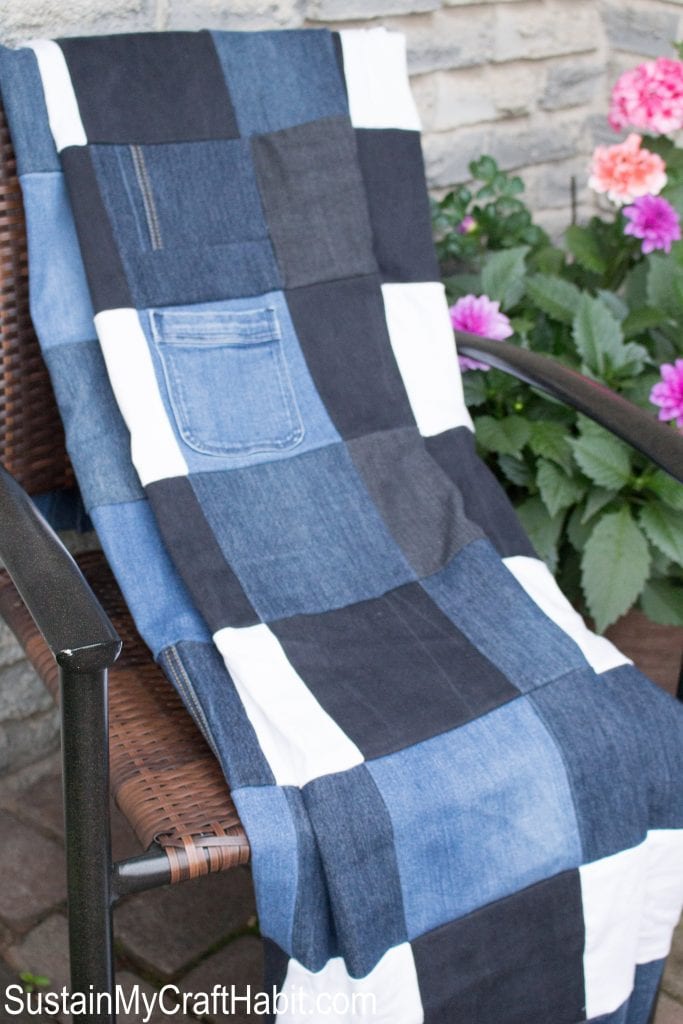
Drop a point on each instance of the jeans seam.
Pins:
(184, 686)
(145, 184)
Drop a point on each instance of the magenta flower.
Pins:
(467, 225)
(655, 221)
(668, 393)
(479, 315)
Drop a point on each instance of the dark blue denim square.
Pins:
(187, 219)
(302, 534)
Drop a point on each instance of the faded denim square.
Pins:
(518, 960)
(316, 542)
(393, 171)
(392, 671)
(303, 80)
(24, 102)
(493, 814)
(96, 436)
(61, 309)
(187, 220)
(314, 199)
(149, 87)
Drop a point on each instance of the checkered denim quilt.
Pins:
(459, 800)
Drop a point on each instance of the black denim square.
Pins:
(392, 671)
(393, 171)
(519, 960)
(313, 195)
(343, 333)
(150, 87)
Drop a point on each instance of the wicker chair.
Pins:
(163, 775)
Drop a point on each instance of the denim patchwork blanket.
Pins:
(462, 805)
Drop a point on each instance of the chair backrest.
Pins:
(31, 433)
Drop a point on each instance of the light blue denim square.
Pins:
(156, 596)
(97, 438)
(234, 382)
(59, 298)
(492, 809)
(484, 600)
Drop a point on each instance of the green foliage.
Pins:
(604, 519)
(33, 981)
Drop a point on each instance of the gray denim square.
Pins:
(314, 198)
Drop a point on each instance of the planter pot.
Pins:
(656, 650)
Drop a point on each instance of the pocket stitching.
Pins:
(179, 405)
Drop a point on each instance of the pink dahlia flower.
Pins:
(668, 394)
(655, 221)
(626, 171)
(479, 315)
(649, 98)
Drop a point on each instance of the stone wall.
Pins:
(527, 81)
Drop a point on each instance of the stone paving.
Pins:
(194, 936)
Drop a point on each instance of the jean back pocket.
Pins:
(227, 380)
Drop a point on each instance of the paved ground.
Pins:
(194, 935)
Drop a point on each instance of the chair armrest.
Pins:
(54, 590)
(661, 444)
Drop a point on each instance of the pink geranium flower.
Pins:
(479, 315)
(649, 98)
(668, 393)
(626, 171)
(655, 221)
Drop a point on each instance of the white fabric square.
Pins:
(631, 904)
(60, 99)
(377, 83)
(154, 449)
(539, 583)
(297, 736)
(663, 893)
(422, 339)
(389, 994)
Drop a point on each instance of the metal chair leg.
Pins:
(85, 752)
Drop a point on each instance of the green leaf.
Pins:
(549, 440)
(474, 388)
(597, 335)
(604, 459)
(516, 470)
(639, 320)
(597, 499)
(662, 601)
(585, 248)
(666, 488)
(506, 436)
(555, 296)
(614, 567)
(577, 529)
(664, 286)
(557, 490)
(664, 527)
(543, 530)
(502, 278)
